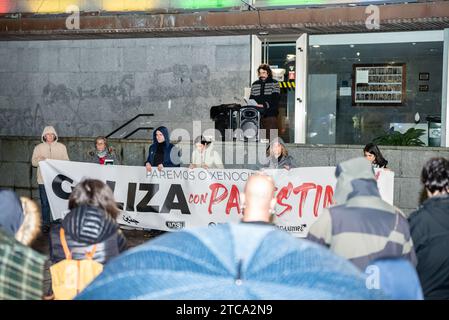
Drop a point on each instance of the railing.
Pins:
(130, 121)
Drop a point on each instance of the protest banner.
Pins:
(177, 198)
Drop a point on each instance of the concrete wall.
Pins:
(17, 173)
(87, 88)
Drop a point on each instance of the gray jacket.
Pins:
(280, 162)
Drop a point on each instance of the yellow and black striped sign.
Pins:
(287, 85)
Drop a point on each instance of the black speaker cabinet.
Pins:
(249, 124)
(225, 116)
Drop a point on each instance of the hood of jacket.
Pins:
(355, 177)
(11, 212)
(164, 131)
(89, 224)
(49, 129)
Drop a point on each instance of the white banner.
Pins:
(177, 198)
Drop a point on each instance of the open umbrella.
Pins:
(229, 261)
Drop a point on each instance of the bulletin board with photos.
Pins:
(378, 84)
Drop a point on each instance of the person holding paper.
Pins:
(103, 153)
(266, 92)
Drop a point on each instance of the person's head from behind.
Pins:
(20, 218)
(94, 193)
(435, 176)
(264, 71)
(201, 143)
(101, 144)
(258, 198)
(372, 153)
(353, 176)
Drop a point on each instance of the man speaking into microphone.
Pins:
(266, 92)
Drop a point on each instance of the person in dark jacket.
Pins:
(278, 157)
(91, 220)
(162, 153)
(103, 153)
(429, 226)
(266, 92)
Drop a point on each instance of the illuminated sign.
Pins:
(60, 6)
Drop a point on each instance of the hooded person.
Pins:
(362, 227)
(50, 148)
(162, 153)
(278, 157)
(21, 267)
(205, 156)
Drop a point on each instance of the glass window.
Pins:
(359, 92)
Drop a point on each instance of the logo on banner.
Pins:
(176, 225)
(294, 229)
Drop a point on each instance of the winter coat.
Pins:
(362, 227)
(54, 150)
(208, 157)
(85, 226)
(429, 226)
(170, 160)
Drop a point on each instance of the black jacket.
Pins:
(429, 227)
(85, 226)
(267, 93)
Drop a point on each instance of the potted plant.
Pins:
(394, 138)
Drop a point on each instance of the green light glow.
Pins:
(204, 4)
(294, 2)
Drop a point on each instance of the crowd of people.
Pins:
(358, 231)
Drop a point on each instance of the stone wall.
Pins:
(87, 88)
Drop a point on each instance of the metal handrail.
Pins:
(129, 121)
(138, 129)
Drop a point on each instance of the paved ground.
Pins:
(134, 238)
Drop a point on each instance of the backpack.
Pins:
(70, 277)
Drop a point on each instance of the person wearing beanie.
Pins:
(205, 156)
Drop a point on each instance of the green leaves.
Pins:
(395, 138)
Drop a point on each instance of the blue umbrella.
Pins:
(229, 261)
